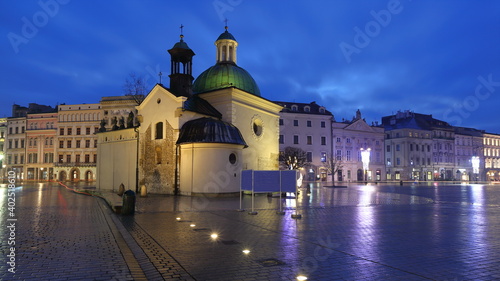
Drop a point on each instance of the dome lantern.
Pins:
(225, 73)
(226, 47)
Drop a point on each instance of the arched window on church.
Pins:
(159, 131)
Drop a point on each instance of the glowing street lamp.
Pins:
(365, 158)
(475, 165)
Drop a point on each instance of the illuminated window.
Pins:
(323, 156)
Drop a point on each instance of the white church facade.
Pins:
(194, 137)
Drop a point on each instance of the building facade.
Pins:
(349, 139)
(419, 147)
(491, 144)
(40, 145)
(469, 156)
(15, 146)
(118, 112)
(76, 145)
(307, 126)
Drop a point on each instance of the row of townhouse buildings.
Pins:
(404, 146)
(44, 143)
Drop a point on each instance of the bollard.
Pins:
(128, 207)
(121, 189)
(144, 191)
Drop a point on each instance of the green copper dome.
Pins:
(225, 75)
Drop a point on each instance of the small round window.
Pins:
(257, 127)
(232, 158)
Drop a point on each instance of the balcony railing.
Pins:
(75, 164)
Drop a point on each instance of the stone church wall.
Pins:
(157, 163)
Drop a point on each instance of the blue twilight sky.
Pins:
(439, 57)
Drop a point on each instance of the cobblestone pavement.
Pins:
(60, 235)
(418, 232)
(372, 232)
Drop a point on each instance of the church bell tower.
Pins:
(181, 62)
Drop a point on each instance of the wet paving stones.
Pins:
(374, 232)
(420, 232)
(62, 236)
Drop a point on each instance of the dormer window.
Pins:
(321, 110)
(295, 107)
(307, 109)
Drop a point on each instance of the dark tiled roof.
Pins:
(199, 105)
(209, 130)
(314, 108)
(226, 35)
(469, 131)
(411, 120)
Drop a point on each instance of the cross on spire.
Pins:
(181, 27)
(160, 74)
(226, 23)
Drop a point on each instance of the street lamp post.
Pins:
(365, 158)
